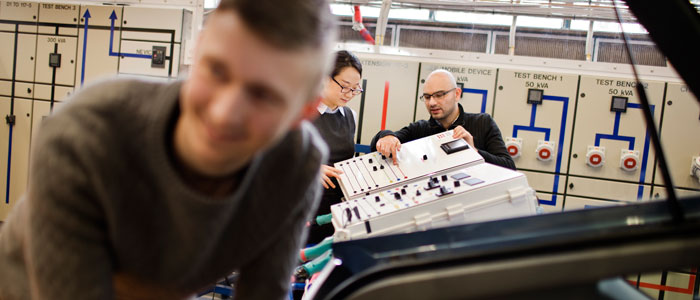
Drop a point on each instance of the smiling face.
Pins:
(241, 97)
(333, 96)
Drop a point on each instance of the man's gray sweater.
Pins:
(107, 214)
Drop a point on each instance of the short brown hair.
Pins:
(286, 24)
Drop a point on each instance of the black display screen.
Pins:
(534, 96)
(618, 104)
(454, 146)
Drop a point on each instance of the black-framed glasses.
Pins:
(437, 95)
(345, 89)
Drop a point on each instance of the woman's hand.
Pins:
(326, 173)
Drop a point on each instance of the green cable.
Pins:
(317, 250)
(324, 219)
(317, 264)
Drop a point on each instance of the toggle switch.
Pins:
(513, 145)
(629, 160)
(444, 191)
(595, 157)
(357, 212)
(544, 151)
(432, 184)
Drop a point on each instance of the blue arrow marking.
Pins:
(86, 16)
(113, 17)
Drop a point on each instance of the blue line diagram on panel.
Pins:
(629, 139)
(547, 131)
(483, 93)
(113, 18)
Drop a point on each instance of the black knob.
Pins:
(29, 91)
(571, 185)
(444, 177)
(376, 199)
(425, 157)
(374, 168)
(417, 192)
(397, 196)
(381, 167)
(403, 191)
(370, 160)
(383, 157)
(457, 183)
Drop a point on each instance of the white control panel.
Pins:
(373, 172)
(450, 189)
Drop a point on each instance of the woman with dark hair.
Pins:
(336, 124)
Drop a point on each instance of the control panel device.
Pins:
(439, 181)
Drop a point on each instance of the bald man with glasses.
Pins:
(441, 95)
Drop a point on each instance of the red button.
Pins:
(630, 163)
(512, 150)
(544, 153)
(595, 159)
